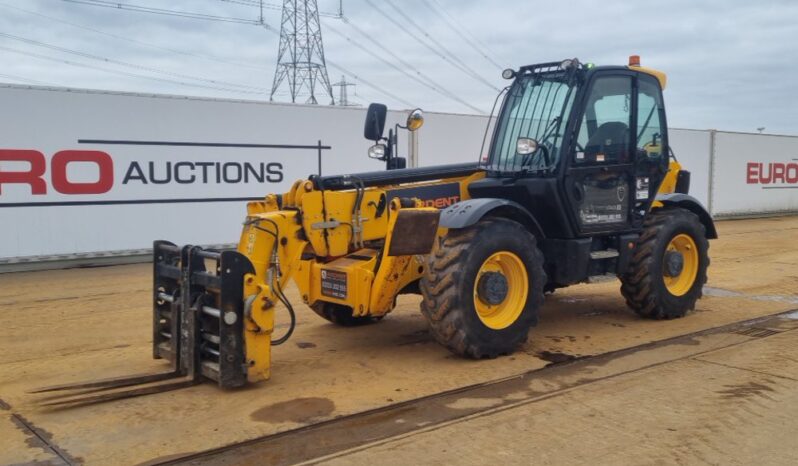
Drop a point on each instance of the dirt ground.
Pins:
(73, 325)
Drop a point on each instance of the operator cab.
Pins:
(582, 148)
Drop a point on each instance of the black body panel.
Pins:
(466, 213)
(685, 201)
(683, 182)
(567, 261)
(539, 196)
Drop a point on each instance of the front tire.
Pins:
(668, 269)
(483, 288)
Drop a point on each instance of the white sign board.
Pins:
(754, 174)
(86, 172)
(691, 148)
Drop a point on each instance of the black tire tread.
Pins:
(439, 288)
(637, 285)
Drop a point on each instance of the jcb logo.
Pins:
(59, 178)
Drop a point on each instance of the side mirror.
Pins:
(526, 146)
(415, 120)
(375, 122)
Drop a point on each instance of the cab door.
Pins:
(600, 174)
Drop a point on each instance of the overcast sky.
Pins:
(731, 64)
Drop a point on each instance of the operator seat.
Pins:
(611, 140)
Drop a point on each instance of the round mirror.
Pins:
(415, 120)
(508, 73)
(377, 151)
(526, 146)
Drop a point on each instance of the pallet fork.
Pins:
(198, 326)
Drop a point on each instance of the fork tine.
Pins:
(116, 382)
(105, 397)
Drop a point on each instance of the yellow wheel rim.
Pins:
(515, 280)
(680, 284)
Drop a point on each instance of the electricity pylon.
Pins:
(300, 61)
(343, 95)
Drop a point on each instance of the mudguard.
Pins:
(466, 213)
(685, 201)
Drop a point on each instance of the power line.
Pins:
(432, 49)
(446, 52)
(266, 6)
(124, 73)
(361, 79)
(134, 41)
(125, 64)
(418, 77)
(163, 11)
(138, 8)
(273, 6)
(24, 80)
(472, 41)
(369, 84)
(402, 70)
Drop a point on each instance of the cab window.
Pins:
(650, 120)
(604, 134)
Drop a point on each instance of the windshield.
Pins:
(535, 107)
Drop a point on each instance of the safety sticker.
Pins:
(333, 284)
(642, 188)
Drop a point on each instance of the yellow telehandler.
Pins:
(578, 184)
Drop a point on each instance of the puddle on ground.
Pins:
(417, 337)
(475, 403)
(38, 438)
(721, 293)
(298, 410)
(555, 357)
(573, 300)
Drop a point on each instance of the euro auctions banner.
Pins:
(88, 172)
(121, 174)
(754, 174)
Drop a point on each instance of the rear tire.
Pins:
(340, 314)
(471, 309)
(650, 288)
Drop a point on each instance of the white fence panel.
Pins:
(754, 174)
(692, 148)
(138, 168)
(85, 172)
